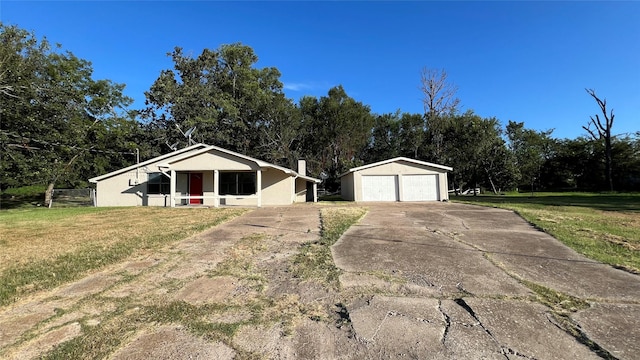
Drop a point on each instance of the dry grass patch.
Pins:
(315, 260)
(43, 248)
(29, 236)
(605, 228)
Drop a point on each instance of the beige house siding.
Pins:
(352, 182)
(213, 161)
(346, 186)
(277, 188)
(129, 186)
(301, 190)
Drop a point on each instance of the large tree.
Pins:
(530, 149)
(55, 117)
(440, 102)
(474, 147)
(232, 103)
(602, 132)
(337, 132)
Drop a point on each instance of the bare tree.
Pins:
(439, 95)
(602, 131)
(439, 99)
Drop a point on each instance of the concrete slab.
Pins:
(614, 327)
(443, 263)
(523, 330)
(452, 251)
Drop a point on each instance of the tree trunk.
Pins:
(48, 194)
(608, 161)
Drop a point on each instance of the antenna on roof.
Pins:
(173, 147)
(187, 134)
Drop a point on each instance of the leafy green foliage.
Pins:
(233, 104)
(57, 121)
(337, 133)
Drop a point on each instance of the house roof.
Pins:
(414, 161)
(147, 162)
(195, 150)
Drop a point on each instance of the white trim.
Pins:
(144, 163)
(259, 187)
(414, 161)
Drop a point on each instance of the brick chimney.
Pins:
(302, 167)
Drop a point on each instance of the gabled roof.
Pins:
(195, 150)
(147, 162)
(414, 161)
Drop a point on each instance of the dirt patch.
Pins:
(172, 343)
(46, 342)
(207, 290)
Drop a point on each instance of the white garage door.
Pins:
(419, 187)
(379, 188)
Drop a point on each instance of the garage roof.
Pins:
(414, 161)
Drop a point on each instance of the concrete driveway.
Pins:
(461, 281)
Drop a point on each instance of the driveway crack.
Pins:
(447, 324)
(567, 325)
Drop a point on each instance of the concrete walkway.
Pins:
(462, 283)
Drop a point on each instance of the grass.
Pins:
(314, 260)
(603, 227)
(22, 197)
(43, 248)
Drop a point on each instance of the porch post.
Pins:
(216, 182)
(259, 186)
(172, 191)
(315, 192)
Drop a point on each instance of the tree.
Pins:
(530, 148)
(385, 138)
(439, 95)
(337, 132)
(53, 112)
(412, 134)
(474, 147)
(602, 132)
(231, 102)
(440, 102)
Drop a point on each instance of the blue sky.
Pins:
(522, 61)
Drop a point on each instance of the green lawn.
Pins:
(603, 227)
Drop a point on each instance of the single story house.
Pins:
(397, 179)
(205, 175)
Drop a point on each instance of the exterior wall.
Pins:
(214, 161)
(301, 190)
(116, 191)
(346, 187)
(277, 188)
(397, 168)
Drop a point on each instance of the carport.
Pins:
(397, 179)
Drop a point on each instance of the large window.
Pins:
(158, 184)
(237, 183)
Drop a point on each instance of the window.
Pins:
(158, 184)
(237, 183)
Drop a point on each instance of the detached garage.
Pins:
(398, 179)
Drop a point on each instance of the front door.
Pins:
(195, 187)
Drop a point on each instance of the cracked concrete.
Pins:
(484, 310)
(423, 281)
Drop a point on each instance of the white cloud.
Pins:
(297, 86)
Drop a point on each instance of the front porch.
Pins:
(217, 188)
